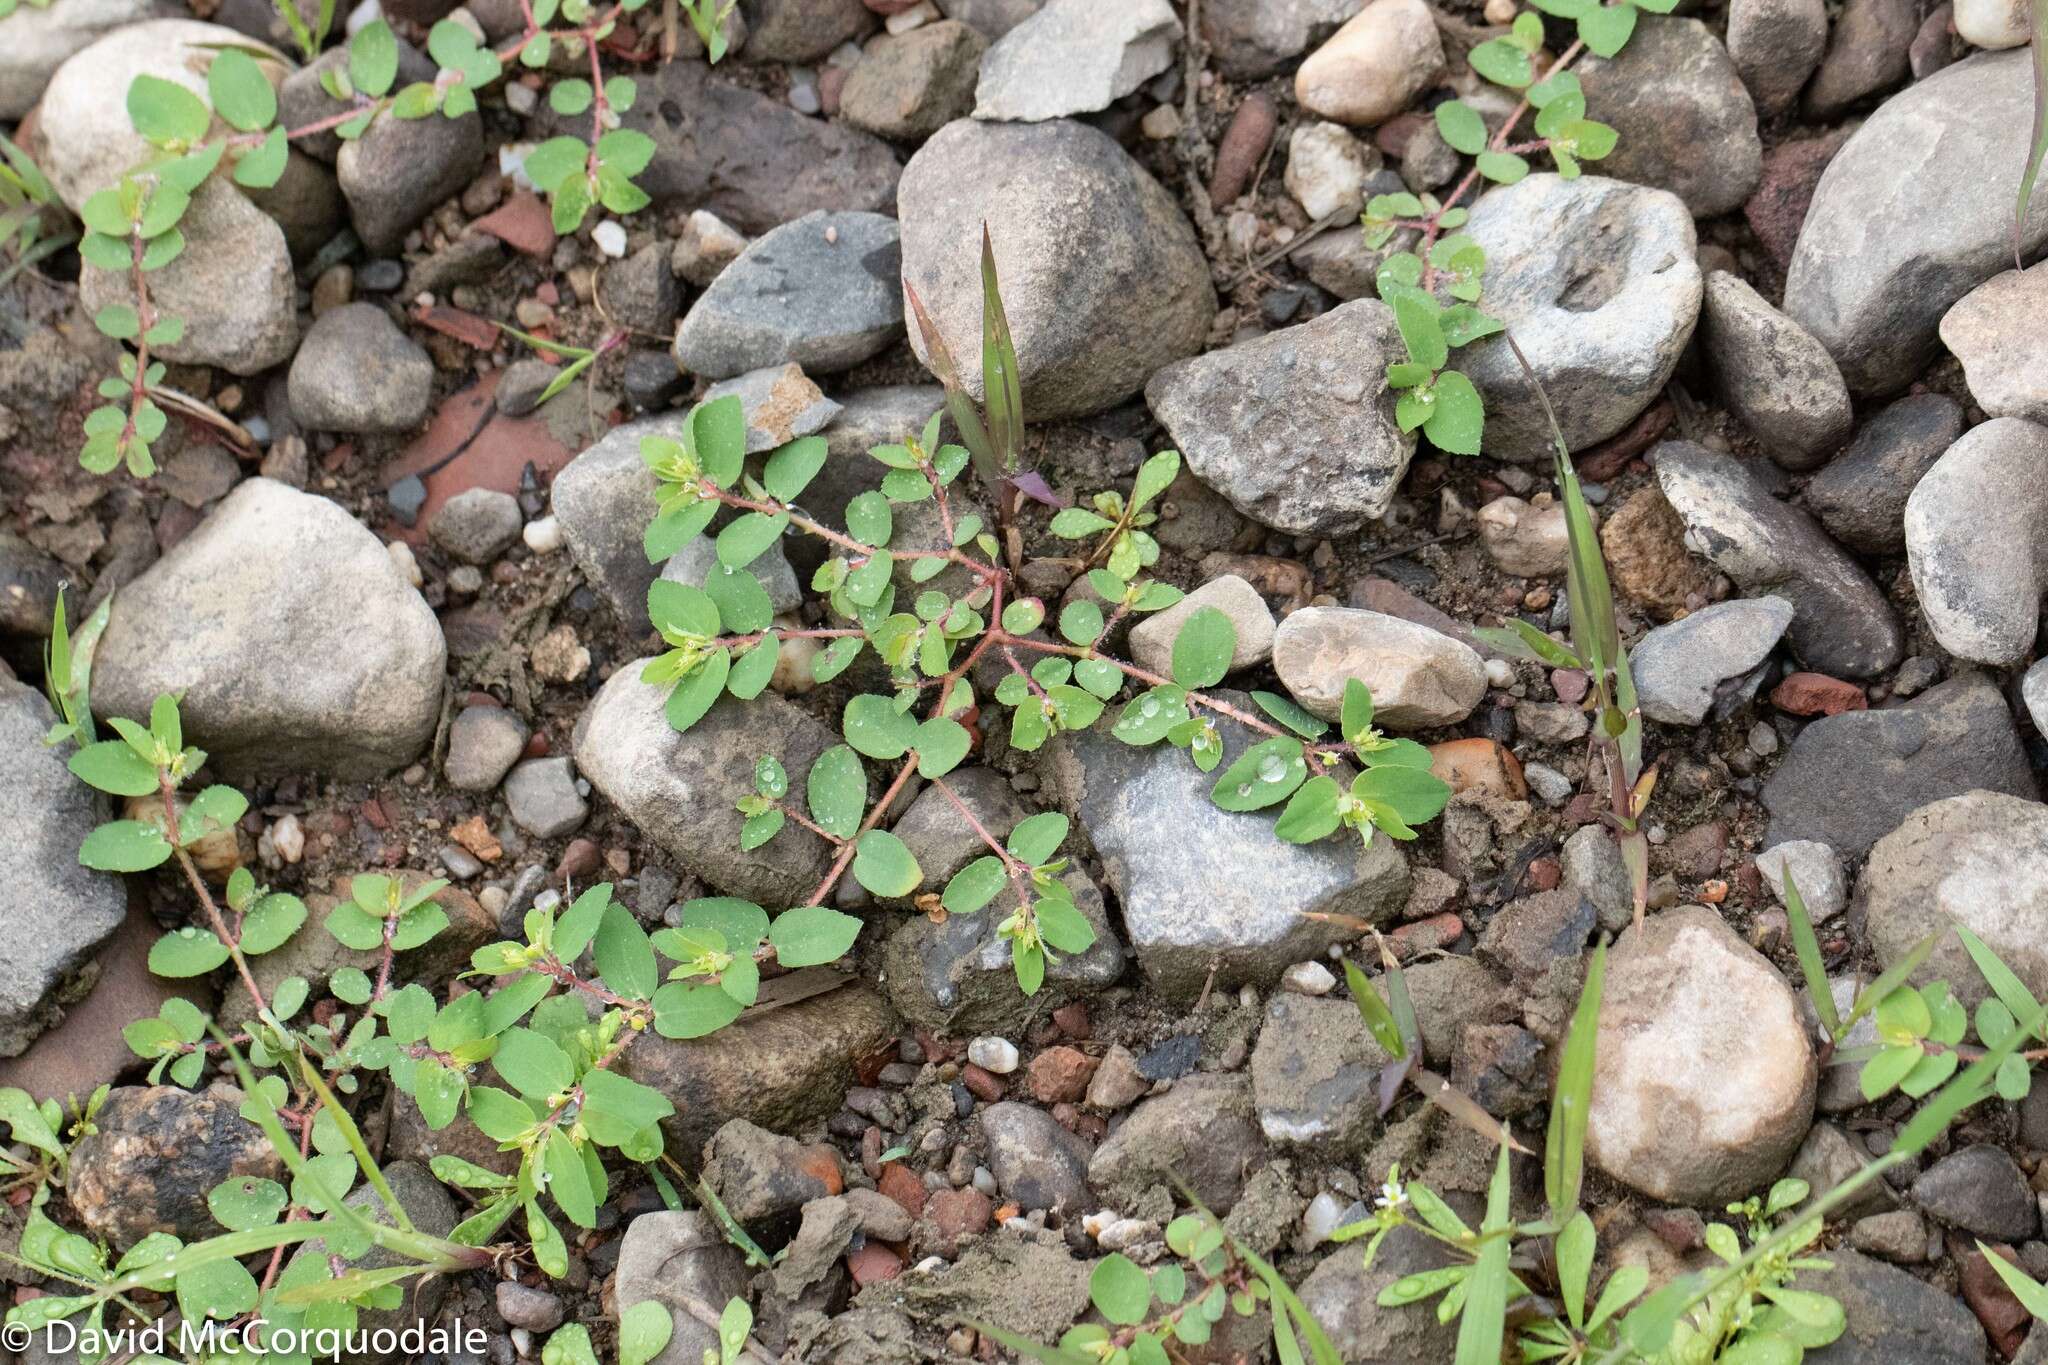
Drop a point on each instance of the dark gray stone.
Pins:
(1687, 123)
(155, 1154)
(1315, 1075)
(1892, 1317)
(1203, 1130)
(1531, 933)
(427, 1203)
(1773, 375)
(1036, 1163)
(1253, 39)
(1342, 1294)
(1977, 542)
(1950, 739)
(401, 170)
(1841, 622)
(29, 580)
(1980, 1190)
(759, 1175)
(802, 31)
(823, 292)
(356, 372)
(1869, 51)
(1860, 497)
(477, 524)
(909, 86)
(1680, 668)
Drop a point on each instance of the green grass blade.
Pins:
(1003, 389)
(1807, 947)
(2010, 990)
(1564, 1143)
(1483, 1324)
(1894, 977)
(2037, 145)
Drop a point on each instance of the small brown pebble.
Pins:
(1816, 694)
(579, 860)
(1714, 892)
(871, 1152)
(873, 1263)
(474, 835)
(901, 1184)
(955, 1214)
(985, 1086)
(1569, 683)
(1060, 1074)
(1544, 874)
(1438, 931)
(1073, 1020)
(1244, 143)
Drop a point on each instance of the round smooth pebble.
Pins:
(543, 535)
(997, 1055)
(610, 238)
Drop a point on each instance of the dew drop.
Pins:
(1149, 707)
(1244, 789)
(1272, 768)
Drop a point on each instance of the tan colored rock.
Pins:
(1419, 678)
(1644, 542)
(1995, 330)
(1525, 540)
(1374, 66)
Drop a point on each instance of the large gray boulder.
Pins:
(293, 638)
(1977, 541)
(680, 1259)
(1295, 428)
(1053, 194)
(61, 912)
(1914, 212)
(1950, 739)
(1687, 123)
(1599, 283)
(1176, 862)
(1979, 860)
(679, 789)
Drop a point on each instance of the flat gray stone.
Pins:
(1995, 331)
(1419, 678)
(1687, 123)
(61, 912)
(1599, 282)
(1977, 541)
(1841, 623)
(1075, 57)
(541, 794)
(1860, 496)
(823, 292)
(1295, 428)
(356, 372)
(1678, 668)
(1875, 220)
(1777, 380)
(1892, 1316)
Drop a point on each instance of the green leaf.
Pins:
(1884, 1071)
(1078, 523)
(644, 1331)
(1061, 923)
(1503, 63)
(165, 112)
(616, 1109)
(1807, 949)
(1312, 813)
(941, 746)
(812, 935)
(242, 1202)
(1120, 1289)
(974, 885)
(1036, 838)
(1418, 317)
(189, 951)
(118, 321)
(884, 865)
(532, 1063)
(1502, 167)
(1203, 649)
(1263, 775)
(2010, 990)
(1564, 1141)
(749, 537)
(1290, 714)
(1379, 1020)
(868, 519)
(624, 957)
(1459, 416)
(875, 727)
(836, 791)
(373, 58)
(1461, 126)
(114, 766)
(692, 1009)
(696, 693)
(1483, 1323)
(1605, 29)
(240, 92)
(791, 467)
(1081, 622)
(124, 846)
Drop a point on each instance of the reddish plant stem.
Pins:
(169, 793)
(874, 818)
(1012, 866)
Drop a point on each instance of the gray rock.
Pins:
(867, 418)
(477, 524)
(1950, 739)
(991, 18)
(431, 1211)
(936, 835)
(1295, 428)
(957, 977)
(39, 41)
(1979, 860)
(1037, 1164)
(401, 170)
(781, 1069)
(1899, 1235)
(822, 292)
(155, 1153)
(1990, 329)
(292, 636)
(640, 292)
(1841, 622)
(1372, 67)
(1593, 867)
(1327, 169)
(1532, 933)
(1315, 1076)
(1775, 45)
(1253, 39)
(759, 1175)
(697, 563)
(1980, 1190)
(2034, 692)
(483, 744)
(1340, 262)
(1152, 639)
(747, 158)
(680, 788)
(1203, 1130)
(541, 794)
(706, 246)
(1816, 871)
(1869, 51)
(1892, 1317)
(680, 1260)
(29, 583)
(1977, 541)
(1871, 224)
(781, 404)
(802, 30)
(1053, 193)
(1600, 284)
(1526, 541)
(908, 86)
(1860, 497)
(604, 500)
(1184, 907)
(1419, 678)
(357, 372)
(62, 911)
(1449, 993)
(534, 1309)
(1680, 667)
(232, 285)
(1704, 1079)
(1777, 380)
(1075, 57)
(1686, 121)
(1342, 1294)
(1830, 1156)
